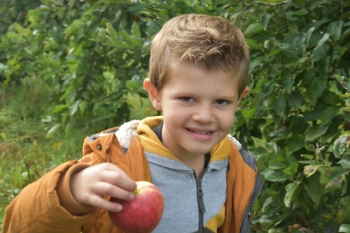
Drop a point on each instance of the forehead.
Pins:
(195, 79)
(192, 71)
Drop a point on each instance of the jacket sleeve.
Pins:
(38, 206)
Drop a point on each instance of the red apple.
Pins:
(143, 213)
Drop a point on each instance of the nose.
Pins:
(204, 113)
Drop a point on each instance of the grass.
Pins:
(25, 152)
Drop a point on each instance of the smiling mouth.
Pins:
(200, 132)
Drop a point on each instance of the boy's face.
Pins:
(198, 108)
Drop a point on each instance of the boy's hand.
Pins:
(89, 185)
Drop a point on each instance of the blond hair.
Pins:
(210, 42)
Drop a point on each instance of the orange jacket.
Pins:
(38, 207)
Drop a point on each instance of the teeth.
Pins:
(199, 132)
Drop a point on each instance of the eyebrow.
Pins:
(191, 94)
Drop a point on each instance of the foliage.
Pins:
(297, 118)
(93, 55)
(25, 152)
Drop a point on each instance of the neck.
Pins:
(194, 162)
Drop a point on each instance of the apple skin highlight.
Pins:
(143, 213)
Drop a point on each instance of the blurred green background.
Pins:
(72, 68)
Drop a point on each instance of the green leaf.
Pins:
(274, 52)
(293, 15)
(267, 202)
(345, 82)
(314, 188)
(60, 108)
(3, 135)
(57, 35)
(322, 41)
(136, 7)
(338, 52)
(310, 147)
(288, 50)
(82, 106)
(315, 131)
(73, 108)
(345, 228)
(292, 169)
(132, 84)
(334, 28)
(13, 35)
(74, 27)
(111, 31)
(255, 62)
(297, 125)
(265, 20)
(126, 37)
(307, 161)
(345, 161)
(22, 31)
(253, 44)
(253, 29)
(53, 129)
(330, 98)
(287, 82)
(108, 76)
(339, 145)
(291, 191)
(306, 156)
(317, 88)
(153, 26)
(99, 110)
(71, 96)
(320, 52)
(136, 41)
(311, 169)
(276, 164)
(344, 36)
(131, 40)
(280, 105)
(301, 12)
(333, 176)
(308, 35)
(248, 113)
(135, 30)
(295, 100)
(274, 175)
(329, 114)
(295, 143)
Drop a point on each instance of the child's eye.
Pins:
(187, 99)
(222, 102)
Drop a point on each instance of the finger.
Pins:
(99, 202)
(111, 167)
(104, 188)
(119, 179)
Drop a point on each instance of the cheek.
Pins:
(227, 120)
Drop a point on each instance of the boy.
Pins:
(198, 75)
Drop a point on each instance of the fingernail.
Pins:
(119, 208)
(131, 196)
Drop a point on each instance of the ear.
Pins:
(153, 94)
(244, 93)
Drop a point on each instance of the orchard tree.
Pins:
(94, 55)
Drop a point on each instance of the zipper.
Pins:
(201, 206)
